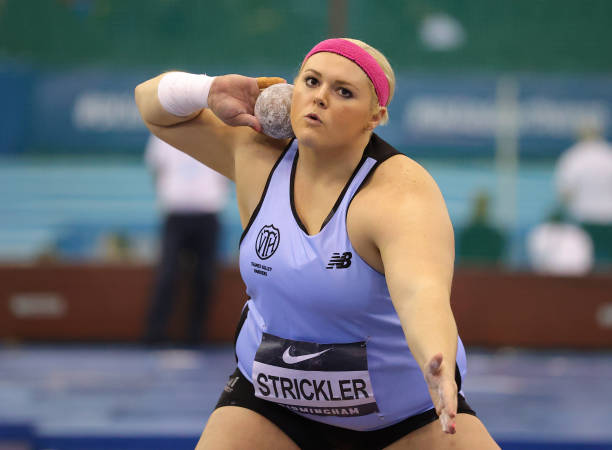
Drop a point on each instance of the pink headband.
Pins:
(360, 57)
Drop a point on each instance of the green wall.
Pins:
(518, 35)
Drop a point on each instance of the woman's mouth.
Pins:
(312, 117)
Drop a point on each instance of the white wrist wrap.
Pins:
(182, 93)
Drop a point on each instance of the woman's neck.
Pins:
(330, 165)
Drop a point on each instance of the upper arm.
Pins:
(410, 228)
(239, 153)
(201, 135)
(415, 239)
(207, 139)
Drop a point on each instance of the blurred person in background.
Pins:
(116, 247)
(480, 242)
(584, 182)
(347, 255)
(558, 247)
(190, 195)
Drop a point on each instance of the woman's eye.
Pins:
(345, 92)
(310, 81)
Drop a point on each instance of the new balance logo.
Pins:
(340, 261)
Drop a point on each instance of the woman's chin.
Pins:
(308, 135)
(308, 139)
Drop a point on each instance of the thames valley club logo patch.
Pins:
(267, 241)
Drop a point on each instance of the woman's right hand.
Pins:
(443, 391)
(232, 98)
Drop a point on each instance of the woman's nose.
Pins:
(320, 99)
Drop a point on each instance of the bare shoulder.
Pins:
(401, 179)
(403, 193)
(254, 159)
(256, 155)
(401, 212)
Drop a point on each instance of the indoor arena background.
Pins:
(490, 93)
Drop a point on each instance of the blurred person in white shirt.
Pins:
(190, 196)
(584, 182)
(557, 247)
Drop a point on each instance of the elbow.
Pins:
(139, 97)
(146, 104)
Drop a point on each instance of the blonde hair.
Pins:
(384, 64)
(387, 69)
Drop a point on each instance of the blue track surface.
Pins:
(118, 397)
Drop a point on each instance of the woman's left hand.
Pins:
(443, 391)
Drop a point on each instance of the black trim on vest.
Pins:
(338, 200)
(377, 149)
(291, 183)
(457, 377)
(263, 194)
(243, 316)
(291, 178)
(343, 193)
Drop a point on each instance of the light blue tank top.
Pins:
(321, 336)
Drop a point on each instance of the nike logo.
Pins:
(289, 359)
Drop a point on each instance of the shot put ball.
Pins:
(272, 109)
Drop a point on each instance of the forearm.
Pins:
(151, 109)
(429, 326)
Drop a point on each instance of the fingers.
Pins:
(444, 393)
(448, 401)
(447, 412)
(264, 82)
(443, 390)
(247, 120)
(448, 423)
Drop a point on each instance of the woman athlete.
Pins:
(347, 339)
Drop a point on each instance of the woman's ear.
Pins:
(376, 118)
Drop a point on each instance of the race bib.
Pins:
(310, 378)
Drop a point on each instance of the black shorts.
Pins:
(309, 434)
